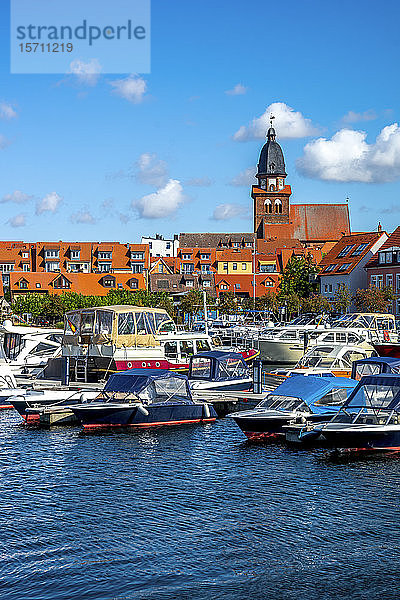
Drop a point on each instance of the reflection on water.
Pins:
(191, 512)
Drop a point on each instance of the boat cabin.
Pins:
(375, 365)
(122, 326)
(217, 366)
(336, 358)
(147, 386)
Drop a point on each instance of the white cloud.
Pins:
(132, 88)
(49, 203)
(162, 203)
(86, 72)
(288, 124)
(348, 157)
(151, 170)
(17, 221)
(7, 111)
(83, 217)
(17, 197)
(199, 182)
(354, 117)
(237, 90)
(4, 142)
(246, 177)
(224, 212)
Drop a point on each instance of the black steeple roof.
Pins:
(271, 158)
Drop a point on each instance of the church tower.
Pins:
(271, 194)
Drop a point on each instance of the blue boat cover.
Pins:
(223, 366)
(386, 361)
(135, 380)
(385, 381)
(310, 389)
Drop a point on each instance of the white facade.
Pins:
(355, 280)
(162, 247)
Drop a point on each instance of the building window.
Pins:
(163, 284)
(345, 250)
(344, 267)
(268, 206)
(330, 287)
(237, 286)
(26, 267)
(105, 255)
(109, 282)
(377, 281)
(6, 267)
(225, 266)
(75, 254)
(398, 306)
(23, 285)
(104, 267)
(382, 257)
(360, 249)
(389, 257)
(137, 255)
(224, 287)
(51, 267)
(206, 283)
(205, 269)
(25, 255)
(278, 206)
(269, 283)
(137, 268)
(61, 283)
(280, 184)
(267, 269)
(244, 266)
(38, 285)
(234, 266)
(52, 254)
(133, 284)
(189, 283)
(186, 256)
(205, 256)
(168, 245)
(389, 280)
(398, 283)
(187, 268)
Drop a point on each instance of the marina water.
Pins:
(191, 512)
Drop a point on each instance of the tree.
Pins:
(291, 302)
(191, 303)
(342, 298)
(52, 308)
(228, 304)
(299, 277)
(316, 304)
(374, 299)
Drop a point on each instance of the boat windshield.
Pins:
(201, 368)
(137, 387)
(320, 356)
(366, 369)
(355, 320)
(275, 402)
(335, 397)
(374, 397)
(231, 368)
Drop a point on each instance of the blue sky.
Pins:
(113, 157)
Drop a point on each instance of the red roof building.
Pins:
(383, 269)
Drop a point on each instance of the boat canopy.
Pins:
(375, 321)
(310, 390)
(374, 366)
(124, 326)
(376, 392)
(217, 365)
(148, 385)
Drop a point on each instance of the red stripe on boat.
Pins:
(107, 425)
(257, 435)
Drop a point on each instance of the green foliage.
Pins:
(228, 304)
(342, 298)
(298, 277)
(53, 306)
(191, 303)
(292, 302)
(374, 299)
(316, 304)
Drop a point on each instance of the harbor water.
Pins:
(191, 512)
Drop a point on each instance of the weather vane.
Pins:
(271, 118)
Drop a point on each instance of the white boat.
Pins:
(103, 340)
(337, 358)
(29, 348)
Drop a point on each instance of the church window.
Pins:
(268, 206)
(280, 184)
(278, 206)
(272, 188)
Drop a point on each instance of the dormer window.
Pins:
(52, 254)
(61, 283)
(105, 255)
(75, 254)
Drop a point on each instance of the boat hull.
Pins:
(392, 350)
(354, 439)
(94, 417)
(259, 428)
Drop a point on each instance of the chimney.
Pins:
(379, 227)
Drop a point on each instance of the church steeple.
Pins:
(271, 195)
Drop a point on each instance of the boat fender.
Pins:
(143, 410)
(207, 411)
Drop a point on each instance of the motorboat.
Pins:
(29, 349)
(336, 358)
(375, 365)
(8, 384)
(144, 398)
(25, 400)
(219, 371)
(300, 398)
(104, 340)
(370, 418)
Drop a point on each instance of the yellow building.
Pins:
(235, 262)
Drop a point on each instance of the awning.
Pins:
(267, 262)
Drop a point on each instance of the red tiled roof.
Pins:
(313, 222)
(350, 258)
(393, 240)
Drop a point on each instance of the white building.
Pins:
(159, 246)
(345, 262)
